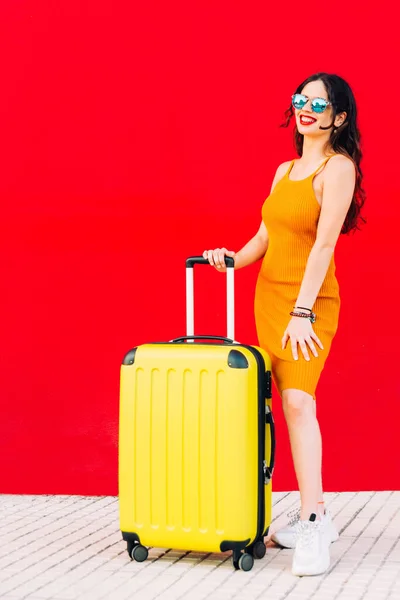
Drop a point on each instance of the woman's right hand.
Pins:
(216, 257)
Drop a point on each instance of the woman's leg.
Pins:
(321, 503)
(306, 446)
(311, 555)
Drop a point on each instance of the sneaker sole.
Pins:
(335, 537)
(283, 543)
(321, 568)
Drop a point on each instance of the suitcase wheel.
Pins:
(138, 552)
(244, 563)
(259, 550)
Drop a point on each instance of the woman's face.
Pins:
(309, 122)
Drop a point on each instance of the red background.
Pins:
(135, 134)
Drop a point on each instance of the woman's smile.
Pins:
(306, 120)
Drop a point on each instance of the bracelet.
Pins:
(312, 316)
(303, 308)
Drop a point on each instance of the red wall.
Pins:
(135, 134)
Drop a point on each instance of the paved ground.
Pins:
(68, 547)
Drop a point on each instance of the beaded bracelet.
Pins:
(312, 316)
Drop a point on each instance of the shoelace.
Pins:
(294, 516)
(306, 532)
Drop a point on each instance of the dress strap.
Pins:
(321, 165)
(289, 169)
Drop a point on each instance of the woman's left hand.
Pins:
(300, 331)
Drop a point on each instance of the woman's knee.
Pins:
(297, 404)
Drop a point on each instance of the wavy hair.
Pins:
(343, 140)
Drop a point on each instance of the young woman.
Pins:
(313, 199)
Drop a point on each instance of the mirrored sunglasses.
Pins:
(318, 105)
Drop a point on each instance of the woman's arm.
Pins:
(339, 182)
(338, 190)
(250, 253)
(255, 249)
(258, 245)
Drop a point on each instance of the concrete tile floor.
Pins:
(70, 547)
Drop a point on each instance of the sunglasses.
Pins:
(318, 105)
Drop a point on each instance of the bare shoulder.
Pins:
(283, 167)
(340, 165)
(280, 172)
(339, 183)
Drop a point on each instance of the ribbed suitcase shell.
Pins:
(190, 448)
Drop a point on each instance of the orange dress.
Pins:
(291, 214)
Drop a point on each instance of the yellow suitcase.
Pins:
(196, 443)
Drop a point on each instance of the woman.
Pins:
(313, 199)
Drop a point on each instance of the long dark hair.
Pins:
(343, 140)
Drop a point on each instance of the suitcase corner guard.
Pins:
(130, 537)
(129, 357)
(229, 545)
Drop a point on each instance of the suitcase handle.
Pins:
(203, 337)
(200, 260)
(269, 469)
(230, 294)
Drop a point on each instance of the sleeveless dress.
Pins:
(291, 214)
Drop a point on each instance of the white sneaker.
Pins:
(311, 555)
(286, 536)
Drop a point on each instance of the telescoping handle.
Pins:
(230, 294)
